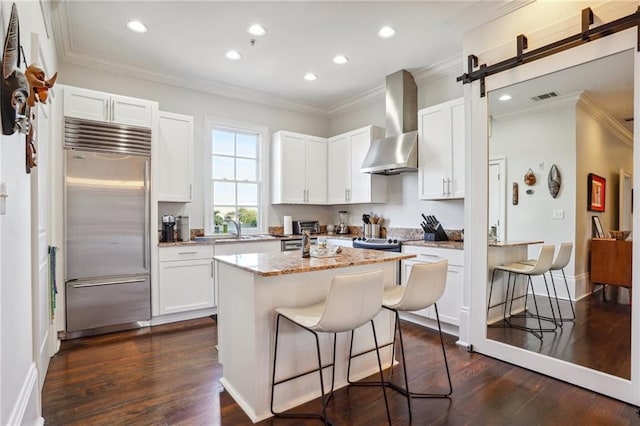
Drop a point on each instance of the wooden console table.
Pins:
(611, 262)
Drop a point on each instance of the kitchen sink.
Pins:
(235, 238)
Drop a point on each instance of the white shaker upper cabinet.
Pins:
(441, 151)
(106, 107)
(299, 168)
(175, 151)
(346, 154)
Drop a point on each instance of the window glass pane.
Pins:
(235, 181)
(222, 168)
(247, 145)
(223, 142)
(224, 193)
(248, 217)
(219, 214)
(246, 169)
(247, 194)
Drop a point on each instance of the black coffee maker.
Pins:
(168, 225)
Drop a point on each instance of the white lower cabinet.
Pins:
(186, 278)
(248, 247)
(451, 301)
(340, 242)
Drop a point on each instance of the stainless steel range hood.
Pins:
(398, 151)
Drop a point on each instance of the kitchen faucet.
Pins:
(237, 225)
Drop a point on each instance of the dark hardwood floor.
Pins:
(168, 375)
(599, 338)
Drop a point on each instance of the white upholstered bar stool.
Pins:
(425, 285)
(562, 259)
(541, 266)
(352, 301)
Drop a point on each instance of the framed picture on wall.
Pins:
(597, 227)
(596, 190)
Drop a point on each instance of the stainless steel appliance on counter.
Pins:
(107, 226)
(168, 226)
(313, 226)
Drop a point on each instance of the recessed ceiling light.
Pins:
(505, 97)
(137, 26)
(257, 30)
(340, 59)
(310, 76)
(386, 32)
(233, 55)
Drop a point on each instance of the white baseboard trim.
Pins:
(447, 328)
(27, 407)
(183, 316)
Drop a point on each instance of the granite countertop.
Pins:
(290, 262)
(250, 239)
(454, 245)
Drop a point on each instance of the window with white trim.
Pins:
(235, 190)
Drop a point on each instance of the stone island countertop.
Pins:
(454, 245)
(291, 262)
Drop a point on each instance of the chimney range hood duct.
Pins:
(398, 151)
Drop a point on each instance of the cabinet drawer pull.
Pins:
(429, 255)
(188, 252)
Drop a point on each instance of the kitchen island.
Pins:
(504, 253)
(250, 286)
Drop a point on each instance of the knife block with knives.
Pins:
(433, 230)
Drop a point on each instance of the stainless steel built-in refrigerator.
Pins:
(106, 226)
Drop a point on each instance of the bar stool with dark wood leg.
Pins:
(352, 301)
(425, 285)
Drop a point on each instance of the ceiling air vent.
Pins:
(545, 96)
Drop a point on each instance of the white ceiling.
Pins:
(187, 41)
(608, 80)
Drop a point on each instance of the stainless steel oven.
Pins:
(384, 244)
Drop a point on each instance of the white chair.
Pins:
(540, 267)
(352, 301)
(562, 259)
(425, 285)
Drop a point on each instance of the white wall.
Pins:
(604, 153)
(201, 104)
(19, 386)
(403, 208)
(526, 139)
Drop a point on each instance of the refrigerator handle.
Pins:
(98, 284)
(145, 243)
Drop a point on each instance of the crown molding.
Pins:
(370, 96)
(548, 105)
(66, 54)
(586, 103)
(451, 66)
(446, 68)
(483, 12)
(196, 84)
(590, 106)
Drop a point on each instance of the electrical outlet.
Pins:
(558, 214)
(541, 165)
